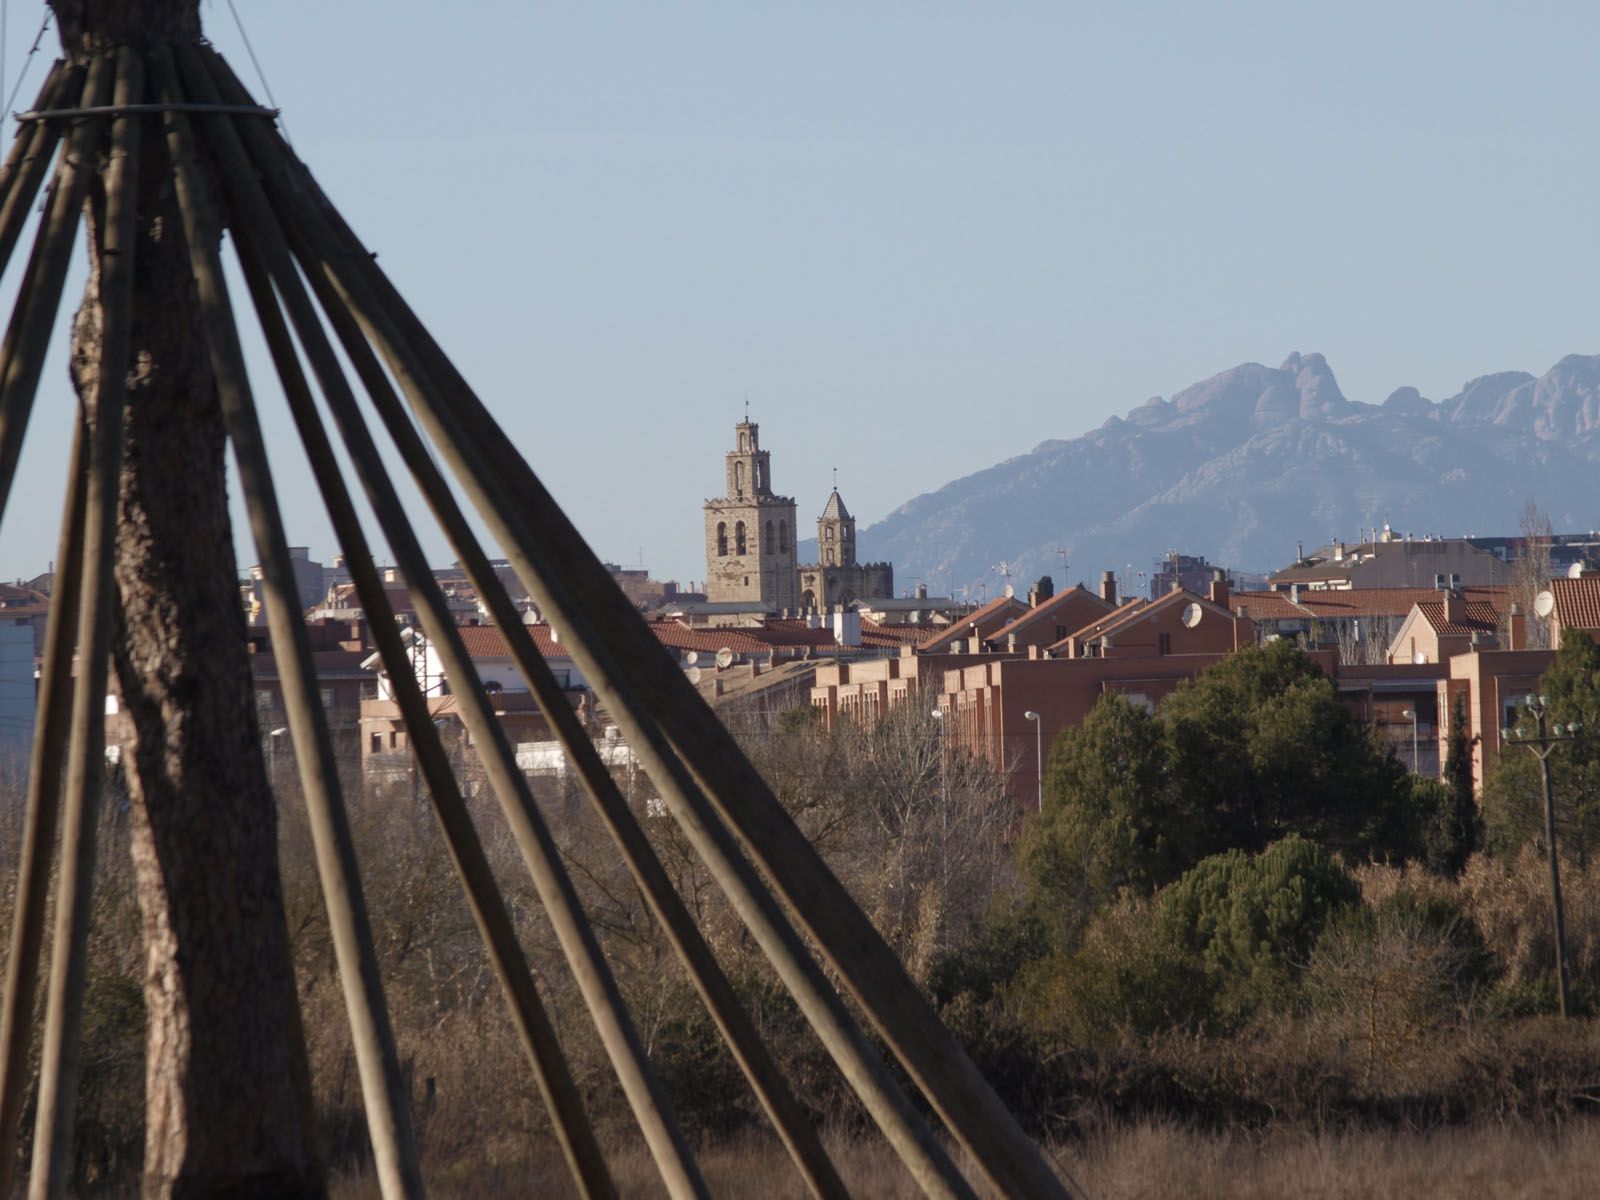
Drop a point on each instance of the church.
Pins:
(751, 555)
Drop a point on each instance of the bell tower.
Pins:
(750, 531)
(836, 533)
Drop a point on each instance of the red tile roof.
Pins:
(1100, 624)
(988, 618)
(1479, 617)
(874, 634)
(486, 641)
(1049, 608)
(1577, 602)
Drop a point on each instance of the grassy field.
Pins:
(1140, 1162)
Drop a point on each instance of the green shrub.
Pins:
(1128, 975)
(1251, 921)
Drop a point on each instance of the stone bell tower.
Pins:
(750, 532)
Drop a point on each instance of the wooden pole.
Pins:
(388, 1115)
(752, 1056)
(51, 250)
(538, 847)
(906, 1132)
(28, 160)
(538, 1035)
(58, 1072)
(43, 811)
(789, 1119)
(34, 317)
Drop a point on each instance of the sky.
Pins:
(918, 238)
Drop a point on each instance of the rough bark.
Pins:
(222, 1112)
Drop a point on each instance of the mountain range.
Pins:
(1247, 464)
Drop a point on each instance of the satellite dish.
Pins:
(1192, 613)
(724, 658)
(1544, 603)
(1010, 591)
(1421, 656)
(694, 674)
(1576, 570)
(692, 657)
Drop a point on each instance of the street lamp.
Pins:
(272, 754)
(1038, 751)
(1541, 744)
(1411, 715)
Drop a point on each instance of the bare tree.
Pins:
(222, 1114)
(1530, 573)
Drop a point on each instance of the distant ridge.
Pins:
(1242, 466)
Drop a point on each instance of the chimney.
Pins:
(1455, 607)
(1516, 629)
(1338, 552)
(846, 627)
(1219, 588)
(1175, 586)
(1011, 643)
(1294, 593)
(1108, 587)
(922, 591)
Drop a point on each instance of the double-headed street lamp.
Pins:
(1038, 751)
(1541, 744)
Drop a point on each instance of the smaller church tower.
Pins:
(836, 534)
(836, 577)
(750, 531)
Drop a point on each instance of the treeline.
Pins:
(1242, 904)
(1237, 909)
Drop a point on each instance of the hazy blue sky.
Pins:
(920, 237)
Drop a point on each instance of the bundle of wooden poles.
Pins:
(306, 274)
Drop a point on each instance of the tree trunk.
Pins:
(221, 1109)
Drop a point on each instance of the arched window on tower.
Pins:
(738, 479)
(766, 546)
(827, 557)
(827, 534)
(722, 539)
(783, 537)
(738, 538)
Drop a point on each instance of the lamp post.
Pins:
(272, 755)
(1038, 751)
(1541, 744)
(944, 809)
(1411, 715)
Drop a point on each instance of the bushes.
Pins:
(1251, 921)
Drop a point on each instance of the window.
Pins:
(1164, 644)
(377, 743)
(766, 547)
(327, 697)
(738, 538)
(827, 557)
(827, 534)
(783, 537)
(738, 481)
(394, 740)
(722, 539)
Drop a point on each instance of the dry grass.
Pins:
(1144, 1160)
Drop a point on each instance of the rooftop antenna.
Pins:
(836, 479)
(1061, 553)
